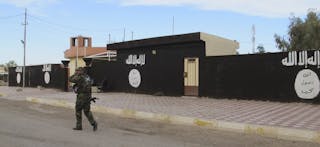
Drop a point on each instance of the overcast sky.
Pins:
(52, 22)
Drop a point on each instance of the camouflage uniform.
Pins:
(83, 89)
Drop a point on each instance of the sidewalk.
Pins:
(294, 121)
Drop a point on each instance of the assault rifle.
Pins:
(93, 99)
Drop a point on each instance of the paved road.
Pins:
(24, 124)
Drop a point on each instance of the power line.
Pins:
(72, 27)
(54, 27)
(55, 24)
(69, 30)
(9, 17)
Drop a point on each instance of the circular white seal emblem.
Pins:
(47, 77)
(134, 78)
(18, 78)
(307, 84)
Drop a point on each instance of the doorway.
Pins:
(191, 76)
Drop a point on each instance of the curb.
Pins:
(269, 131)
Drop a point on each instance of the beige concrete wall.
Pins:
(217, 46)
(72, 65)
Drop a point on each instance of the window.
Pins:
(74, 42)
(85, 42)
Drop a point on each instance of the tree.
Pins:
(11, 63)
(260, 49)
(6, 66)
(302, 34)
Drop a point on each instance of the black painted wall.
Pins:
(258, 76)
(162, 72)
(35, 77)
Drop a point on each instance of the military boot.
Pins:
(95, 126)
(77, 128)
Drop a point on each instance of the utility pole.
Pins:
(77, 56)
(173, 25)
(24, 48)
(76, 44)
(253, 39)
(109, 38)
(131, 35)
(124, 34)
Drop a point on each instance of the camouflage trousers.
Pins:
(83, 103)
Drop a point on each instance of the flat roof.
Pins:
(182, 38)
(214, 45)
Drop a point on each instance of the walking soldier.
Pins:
(83, 89)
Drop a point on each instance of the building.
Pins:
(3, 74)
(195, 64)
(80, 47)
(204, 65)
(2, 69)
(170, 65)
(45, 75)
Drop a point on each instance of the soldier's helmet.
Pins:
(81, 70)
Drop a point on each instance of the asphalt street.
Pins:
(24, 124)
